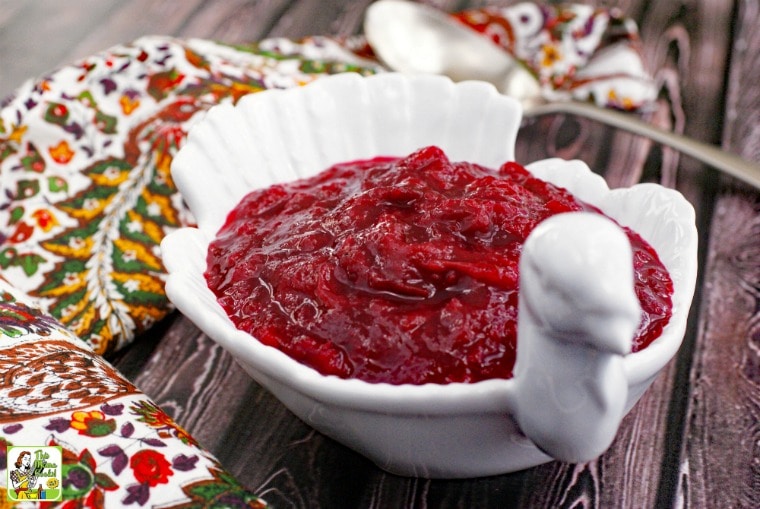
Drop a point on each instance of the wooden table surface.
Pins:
(694, 438)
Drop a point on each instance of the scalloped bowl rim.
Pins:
(185, 249)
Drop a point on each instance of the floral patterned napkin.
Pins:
(118, 448)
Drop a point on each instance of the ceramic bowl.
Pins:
(436, 431)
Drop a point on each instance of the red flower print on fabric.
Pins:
(150, 467)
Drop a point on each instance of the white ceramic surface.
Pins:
(454, 430)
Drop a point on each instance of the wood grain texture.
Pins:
(692, 441)
(234, 21)
(720, 455)
(333, 17)
(720, 461)
(35, 42)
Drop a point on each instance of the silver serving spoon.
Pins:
(416, 38)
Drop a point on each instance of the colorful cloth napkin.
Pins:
(118, 448)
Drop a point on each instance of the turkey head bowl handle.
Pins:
(578, 314)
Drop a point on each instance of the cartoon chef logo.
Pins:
(34, 473)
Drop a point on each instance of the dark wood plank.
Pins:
(235, 21)
(137, 18)
(328, 17)
(38, 36)
(719, 462)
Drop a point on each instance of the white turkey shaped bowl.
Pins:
(565, 401)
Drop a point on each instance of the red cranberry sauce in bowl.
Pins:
(398, 270)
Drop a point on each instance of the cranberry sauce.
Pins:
(398, 270)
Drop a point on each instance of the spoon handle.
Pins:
(712, 155)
